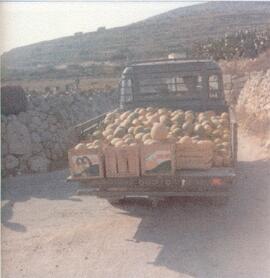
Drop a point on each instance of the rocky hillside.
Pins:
(172, 31)
(254, 106)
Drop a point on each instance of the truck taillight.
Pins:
(216, 181)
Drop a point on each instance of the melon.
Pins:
(109, 138)
(206, 143)
(133, 116)
(124, 115)
(147, 130)
(153, 119)
(114, 140)
(208, 129)
(185, 140)
(189, 117)
(225, 116)
(107, 132)
(174, 126)
(138, 129)
(162, 111)
(218, 141)
(142, 118)
(199, 130)
(80, 146)
(131, 130)
(210, 113)
(149, 109)
(119, 132)
(164, 119)
(139, 136)
(136, 122)
(112, 126)
(119, 143)
(146, 137)
(129, 141)
(97, 143)
(97, 134)
(178, 119)
(187, 128)
(171, 138)
(177, 131)
(126, 123)
(159, 131)
(226, 137)
(142, 112)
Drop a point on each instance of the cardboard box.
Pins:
(158, 159)
(86, 164)
(122, 161)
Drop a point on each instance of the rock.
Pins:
(36, 121)
(18, 138)
(4, 148)
(44, 125)
(37, 148)
(35, 137)
(32, 127)
(11, 118)
(45, 135)
(24, 117)
(23, 167)
(44, 107)
(53, 128)
(38, 164)
(42, 116)
(51, 120)
(11, 162)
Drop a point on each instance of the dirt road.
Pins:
(49, 232)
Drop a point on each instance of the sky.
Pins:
(23, 23)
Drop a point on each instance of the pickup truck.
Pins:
(195, 85)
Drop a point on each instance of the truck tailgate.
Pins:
(214, 181)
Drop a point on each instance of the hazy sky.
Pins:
(26, 23)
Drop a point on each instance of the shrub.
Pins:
(13, 100)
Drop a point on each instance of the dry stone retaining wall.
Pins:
(253, 106)
(33, 140)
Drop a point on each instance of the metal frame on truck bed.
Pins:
(195, 85)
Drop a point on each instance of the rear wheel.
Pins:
(114, 201)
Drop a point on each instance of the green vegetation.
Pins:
(242, 44)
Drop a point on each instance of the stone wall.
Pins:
(253, 108)
(33, 140)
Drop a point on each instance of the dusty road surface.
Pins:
(49, 232)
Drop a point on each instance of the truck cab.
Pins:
(173, 83)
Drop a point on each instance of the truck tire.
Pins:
(115, 201)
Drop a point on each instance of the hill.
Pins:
(175, 30)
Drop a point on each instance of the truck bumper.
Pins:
(207, 183)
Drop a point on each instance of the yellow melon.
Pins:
(146, 137)
(159, 131)
(186, 140)
(80, 146)
(139, 136)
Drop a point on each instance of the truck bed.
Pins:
(183, 183)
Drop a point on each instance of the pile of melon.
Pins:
(152, 125)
